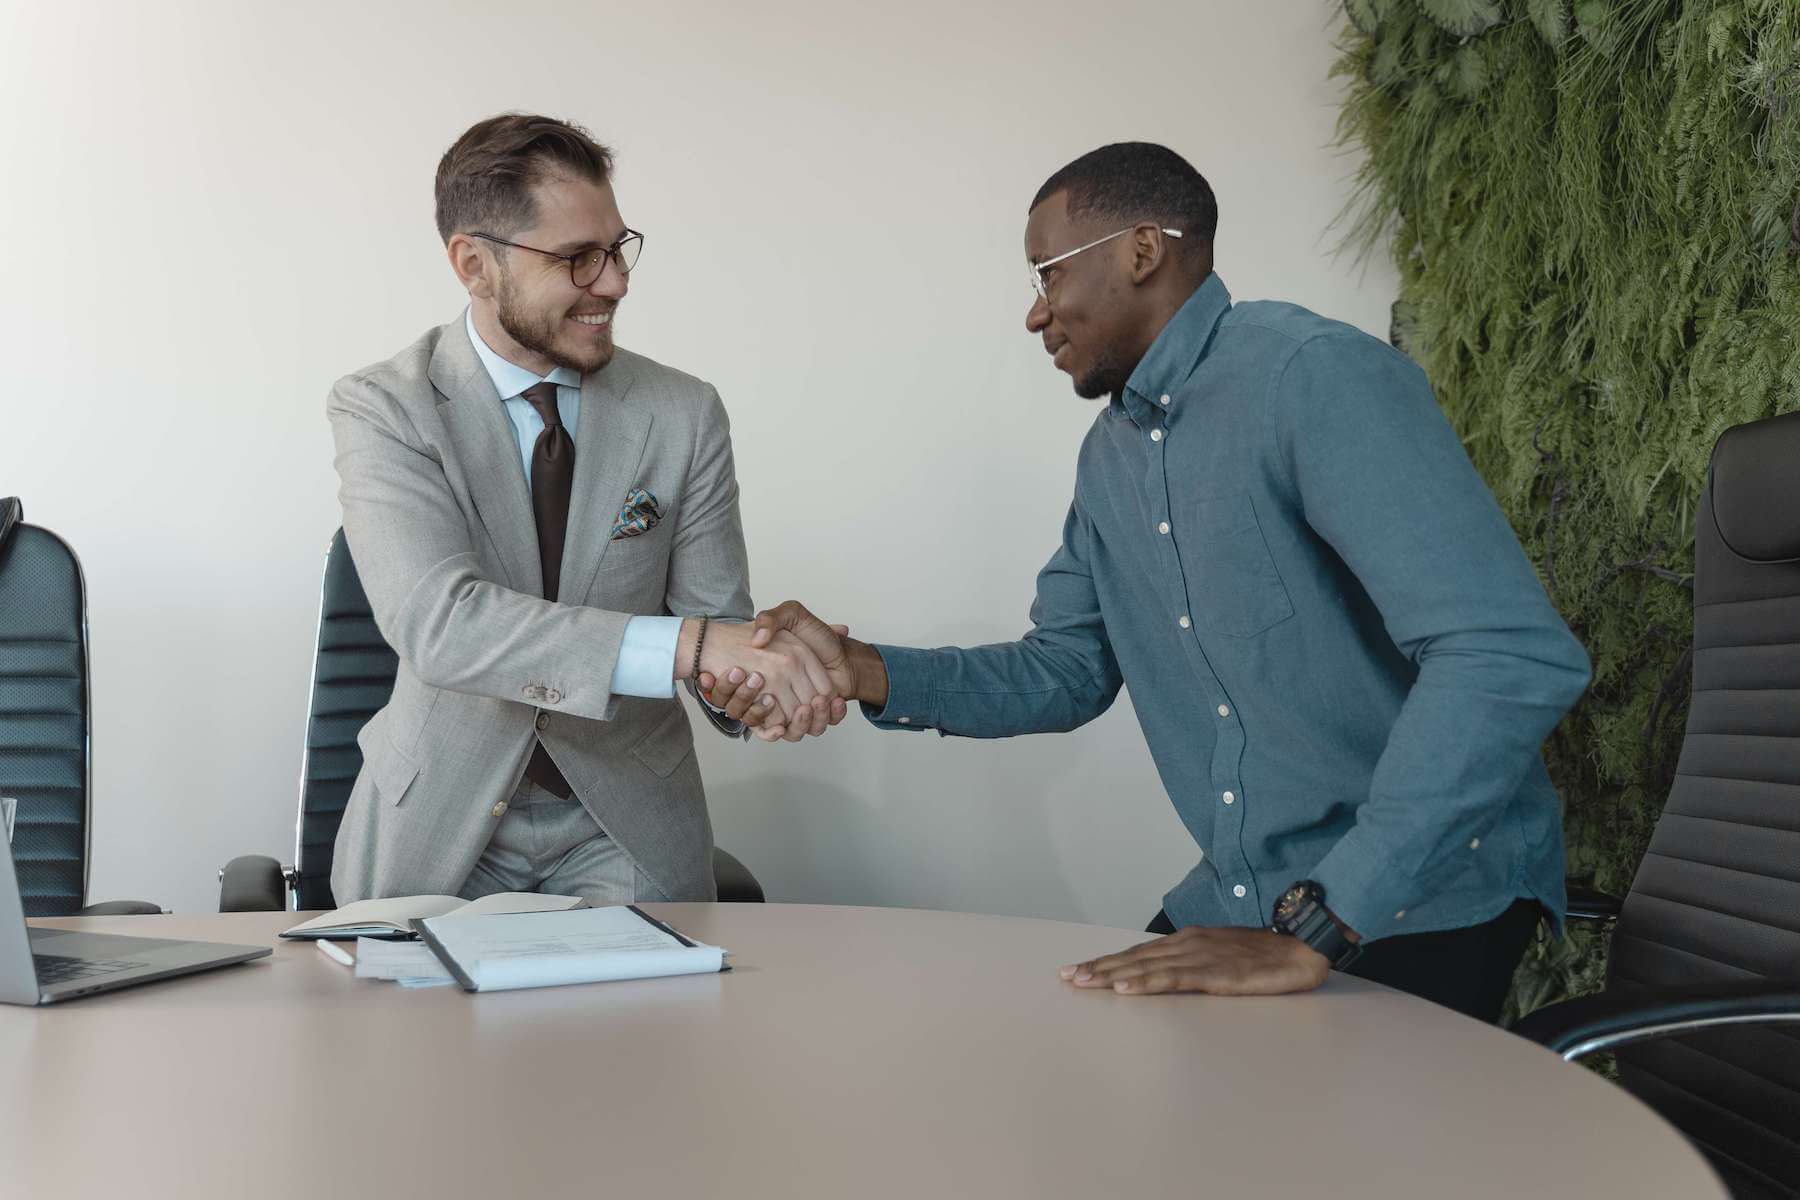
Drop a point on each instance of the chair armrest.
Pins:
(1589, 904)
(121, 908)
(252, 883)
(735, 880)
(1575, 1028)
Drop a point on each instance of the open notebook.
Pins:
(544, 949)
(393, 917)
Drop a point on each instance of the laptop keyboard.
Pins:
(57, 968)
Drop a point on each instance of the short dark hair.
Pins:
(1137, 181)
(484, 180)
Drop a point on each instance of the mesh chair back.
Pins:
(1717, 897)
(353, 675)
(44, 713)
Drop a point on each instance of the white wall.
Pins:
(210, 211)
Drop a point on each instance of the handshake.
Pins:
(785, 675)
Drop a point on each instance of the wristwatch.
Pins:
(1300, 912)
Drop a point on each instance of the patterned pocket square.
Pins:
(638, 516)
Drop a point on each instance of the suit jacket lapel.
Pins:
(489, 453)
(609, 446)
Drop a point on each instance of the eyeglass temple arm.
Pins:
(1051, 262)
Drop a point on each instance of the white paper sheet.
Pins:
(410, 963)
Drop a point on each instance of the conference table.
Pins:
(851, 1052)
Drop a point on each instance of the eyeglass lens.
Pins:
(587, 268)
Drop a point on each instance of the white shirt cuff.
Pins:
(646, 665)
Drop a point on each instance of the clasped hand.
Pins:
(785, 676)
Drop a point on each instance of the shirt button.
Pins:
(1224, 710)
(543, 721)
(906, 720)
(1184, 622)
(1156, 435)
(1229, 797)
(1474, 843)
(499, 808)
(1238, 891)
(1164, 402)
(1163, 528)
(1399, 914)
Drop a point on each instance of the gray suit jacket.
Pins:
(438, 518)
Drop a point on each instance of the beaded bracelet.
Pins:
(699, 644)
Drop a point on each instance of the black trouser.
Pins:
(1469, 969)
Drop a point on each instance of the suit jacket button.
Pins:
(500, 808)
(553, 696)
(533, 692)
(543, 721)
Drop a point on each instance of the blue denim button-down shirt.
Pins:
(1342, 661)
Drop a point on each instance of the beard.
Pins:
(541, 332)
(1105, 376)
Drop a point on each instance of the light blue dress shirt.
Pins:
(646, 665)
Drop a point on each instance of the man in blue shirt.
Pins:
(1342, 661)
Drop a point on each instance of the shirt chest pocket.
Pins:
(1233, 586)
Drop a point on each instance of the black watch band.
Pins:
(1301, 913)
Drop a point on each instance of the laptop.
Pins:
(42, 966)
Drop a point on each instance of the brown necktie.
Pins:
(552, 479)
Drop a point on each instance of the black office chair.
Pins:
(44, 735)
(353, 675)
(1702, 1001)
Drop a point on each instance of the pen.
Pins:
(332, 952)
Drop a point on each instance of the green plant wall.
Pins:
(1595, 211)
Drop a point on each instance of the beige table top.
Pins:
(853, 1052)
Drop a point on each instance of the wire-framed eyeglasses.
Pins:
(588, 265)
(1042, 288)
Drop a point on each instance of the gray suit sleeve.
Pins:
(709, 569)
(450, 625)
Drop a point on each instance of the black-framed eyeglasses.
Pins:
(588, 265)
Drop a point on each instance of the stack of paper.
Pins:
(410, 964)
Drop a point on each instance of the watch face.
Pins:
(1290, 903)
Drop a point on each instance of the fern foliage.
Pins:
(1594, 206)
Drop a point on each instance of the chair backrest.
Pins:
(44, 712)
(1718, 895)
(353, 675)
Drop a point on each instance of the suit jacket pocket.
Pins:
(630, 564)
(1233, 586)
(668, 742)
(393, 771)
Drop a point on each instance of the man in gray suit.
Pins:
(547, 528)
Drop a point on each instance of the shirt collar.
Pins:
(510, 379)
(1180, 346)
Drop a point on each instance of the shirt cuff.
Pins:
(1363, 890)
(910, 699)
(646, 665)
